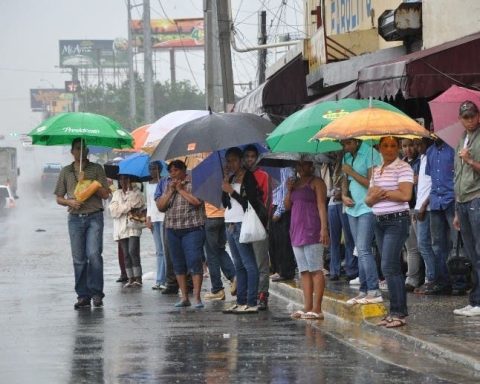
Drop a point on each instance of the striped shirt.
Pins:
(397, 172)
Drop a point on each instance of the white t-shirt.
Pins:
(424, 184)
(235, 213)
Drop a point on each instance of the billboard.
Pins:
(52, 100)
(93, 53)
(166, 33)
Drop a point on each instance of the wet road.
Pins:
(138, 337)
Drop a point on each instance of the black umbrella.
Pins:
(211, 133)
(111, 171)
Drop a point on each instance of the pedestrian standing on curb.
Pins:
(440, 167)
(85, 224)
(306, 199)
(184, 223)
(250, 157)
(239, 189)
(358, 162)
(218, 259)
(155, 223)
(467, 193)
(414, 261)
(422, 212)
(389, 193)
(126, 200)
(282, 259)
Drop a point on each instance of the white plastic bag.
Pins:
(252, 228)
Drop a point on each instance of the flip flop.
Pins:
(297, 314)
(386, 320)
(312, 316)
(396, 323)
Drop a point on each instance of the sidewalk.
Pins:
(431, 325)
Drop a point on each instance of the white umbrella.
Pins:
(165, 124)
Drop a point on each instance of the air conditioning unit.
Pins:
(401, 23)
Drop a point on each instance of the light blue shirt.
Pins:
(366, 158)
(280, 192)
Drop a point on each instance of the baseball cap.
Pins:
(468, 108)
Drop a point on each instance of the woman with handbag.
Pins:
(306, 198)
(388, 195)
(127, 199)
(239, 190)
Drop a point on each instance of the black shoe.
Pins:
(334, 278)
(263, 301)
(170, 291)
(82, 302)
(459, 292)
(97, 301)
(438, 289)
(350, 277)
(122, 279)
(409, 287)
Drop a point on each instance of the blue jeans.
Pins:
(245, 266)
(86, 241)
(424, 241)
(157, 232)
(469, 217)
(363, 234)
(391, 236)
(338, 221)
(217, 257)
(444, 239)
(186, 250)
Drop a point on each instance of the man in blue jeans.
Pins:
(440, 160)
(218, 259)
(467, 192)
(85, 224)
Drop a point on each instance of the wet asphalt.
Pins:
(139, 337)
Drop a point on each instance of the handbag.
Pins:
(457, 262)
(137, 218)
(252, 228)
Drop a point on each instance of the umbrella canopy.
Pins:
(289, 159)
(372, 123)
(295, 132)
(211, 133)
(94, 129)
(445, 111)
(135, 165)
(139, 137)
(165, 124)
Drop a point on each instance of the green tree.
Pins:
(113, 101)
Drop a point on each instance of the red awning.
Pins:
(424, 73)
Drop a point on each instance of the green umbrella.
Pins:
(294, 134)
(94, 129)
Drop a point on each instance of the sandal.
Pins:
(297, 314)
(386, 320)
(312, 316)
(396, 322)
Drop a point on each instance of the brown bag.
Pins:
(85, 189)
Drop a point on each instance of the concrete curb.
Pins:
(335, 304)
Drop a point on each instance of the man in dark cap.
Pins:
(467, 196)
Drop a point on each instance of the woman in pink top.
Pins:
(389, 193)
(306, 198)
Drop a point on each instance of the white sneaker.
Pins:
(355, 281)
(355, 252)
(473, 311)
(355, 300)
(461, 311)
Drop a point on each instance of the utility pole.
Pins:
(223, 21)
(173, 78)
(74, 93)
(148, 67)
(262, 40)
(131, 73)
(209, 78)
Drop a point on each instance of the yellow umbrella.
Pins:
(372, 123)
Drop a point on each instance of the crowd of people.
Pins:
(385, 215)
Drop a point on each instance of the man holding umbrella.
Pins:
(85, 224)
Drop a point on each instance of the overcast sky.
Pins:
(31, 29)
